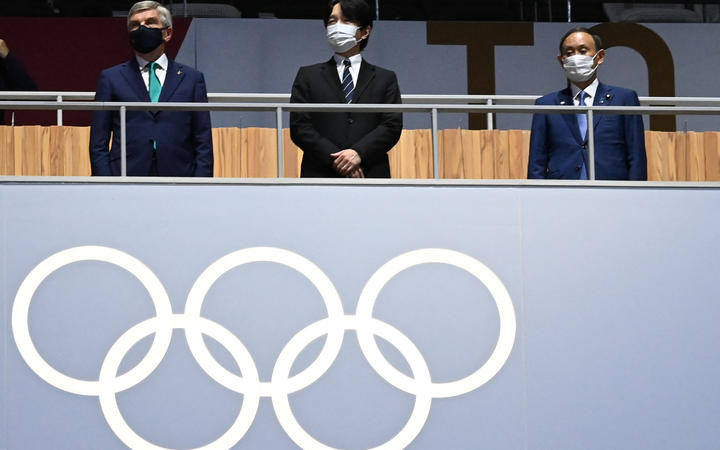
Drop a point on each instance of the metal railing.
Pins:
(432, 104)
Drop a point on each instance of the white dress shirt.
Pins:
(589, 93)
(160, 70)
(355, 62)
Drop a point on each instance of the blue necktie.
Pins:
(347, 82)
(582, 124)
(582, 118)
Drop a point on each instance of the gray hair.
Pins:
(165, 15)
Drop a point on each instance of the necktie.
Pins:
(582, 124)
(582, 118)
(347, 82)
(154, 83)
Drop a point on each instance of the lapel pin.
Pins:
(607, 96)
(179, 72)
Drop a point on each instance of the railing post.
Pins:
(59, 112)
(123, 148)
(490, 124)
(279, 132)
(435, 145)
(591, 145)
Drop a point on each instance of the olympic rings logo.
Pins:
(249, 384)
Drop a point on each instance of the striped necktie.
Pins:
(154, 86)
(347, 82)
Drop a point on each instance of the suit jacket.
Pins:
(372, 135)
(184, 138)
(558, 151)
(14, 77)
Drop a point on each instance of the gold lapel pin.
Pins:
(179, 72)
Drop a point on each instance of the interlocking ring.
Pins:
(249, 384)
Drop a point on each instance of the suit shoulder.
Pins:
(313, 67)
(548, 99)
(621, 91)
(110, 71)
(188, 70)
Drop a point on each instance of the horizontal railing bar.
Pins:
(406, 98)
(335, 107)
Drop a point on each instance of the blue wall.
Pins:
(613, 288)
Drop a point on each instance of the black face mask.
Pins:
(145, 40)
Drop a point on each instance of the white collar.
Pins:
(162, 62)
(589, 91)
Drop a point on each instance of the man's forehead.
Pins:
(578, 39)
(145, 14)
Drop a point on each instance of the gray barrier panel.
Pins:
(613, 291)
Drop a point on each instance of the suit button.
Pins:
(584, 146)
(350, 121)
(578, 167)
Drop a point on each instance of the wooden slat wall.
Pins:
(252, 152)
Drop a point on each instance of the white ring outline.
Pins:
(312, 272)
(423, 399)
(108, 373)
(21, 308)
(249, 385)
(497, 289)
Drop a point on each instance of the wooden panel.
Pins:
(292, 156)
(259, 152)
(519, 147)
(226, 152)
(695, 156)
(412, 157)
(660, 155)
(7, 155)
(252, 152)
(712, 158)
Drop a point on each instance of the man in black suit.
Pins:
(338, 144)
(13, 76)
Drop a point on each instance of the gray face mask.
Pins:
(579, 68)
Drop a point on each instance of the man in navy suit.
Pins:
(558, 142)
(338, 144)
(159, 143)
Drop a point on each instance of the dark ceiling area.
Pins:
(452, 10)
(501, 10)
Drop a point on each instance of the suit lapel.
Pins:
(173, 77)
(329, 71)
(131, 72)
(366, 75)
(603, 97)
(565, 98)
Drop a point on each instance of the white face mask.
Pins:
(341, 37)
(579, 68)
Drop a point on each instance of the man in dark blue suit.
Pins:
(159, 143)
(558, 142)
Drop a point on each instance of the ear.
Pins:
(600, 57)
(364, 32)
(560, 59)
(167, 34)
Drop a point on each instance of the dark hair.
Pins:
(355, 11)
(596, 38)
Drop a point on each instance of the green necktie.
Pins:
(155, 86)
